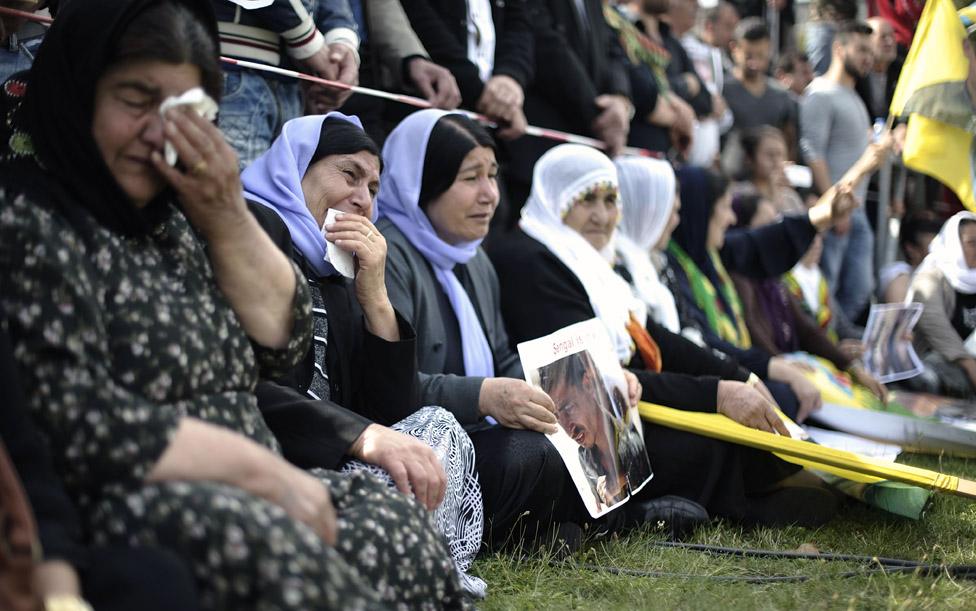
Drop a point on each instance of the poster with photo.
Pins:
(599, 437)
(888, 353)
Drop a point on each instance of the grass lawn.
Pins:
(946, 534)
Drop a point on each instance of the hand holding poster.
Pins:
(599, 435)
(888, 352)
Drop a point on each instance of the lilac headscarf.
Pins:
(398, 200)
(275, 180)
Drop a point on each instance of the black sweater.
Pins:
(369, 377)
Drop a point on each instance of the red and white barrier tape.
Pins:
(531, 130)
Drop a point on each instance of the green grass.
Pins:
(946, 534)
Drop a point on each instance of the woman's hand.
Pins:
(517, 405)
(306, 499)
(634, 388)
(792, 373)
(851, 348)
(355, 234)
(745, 405)
(861, 376)
(210, 186)
(833, 208)
(412, 465)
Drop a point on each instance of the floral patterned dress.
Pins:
(119, 338)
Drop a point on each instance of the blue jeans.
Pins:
(848, 265)
(253, 110)
(20, 58)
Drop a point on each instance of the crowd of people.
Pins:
(281, 372)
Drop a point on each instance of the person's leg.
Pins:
(856, 281)
(248, 114)
(391, 542)
(143, 578)
(834, 247)
(243, 552)
(526, 487)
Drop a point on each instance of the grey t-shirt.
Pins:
(774, 107)
(834, 127)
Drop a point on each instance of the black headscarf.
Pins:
(698, 198)
(58, 109)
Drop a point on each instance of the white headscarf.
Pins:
(945, 254)
(560, 176)
(647, 192)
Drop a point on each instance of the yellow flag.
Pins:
(932, 91)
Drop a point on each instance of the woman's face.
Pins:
(347, 183)
(594, 215)
(770, 158)
(765, 214)
(673, 223)
(967, 236)
(722, 218)
(463, 212)
(126, 124)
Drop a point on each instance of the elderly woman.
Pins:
(144, 299)
(945, 284)
(650, 214)
(363, 353)
(554, 272)
(437, 196)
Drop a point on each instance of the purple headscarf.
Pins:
(398, 200)
(275, 180)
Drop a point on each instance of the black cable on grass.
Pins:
(762, 553)
(767, 579)
(878, 565)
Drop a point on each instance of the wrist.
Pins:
(357, 449)
(66, 602)
(485, 397)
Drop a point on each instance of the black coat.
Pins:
(442, 26)
(575, 63)
(541, 295)
(369, 377)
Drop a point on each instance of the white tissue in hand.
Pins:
(340, 259)
(198, 100)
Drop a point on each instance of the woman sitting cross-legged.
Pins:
(437, 196)
(554, 272)
(145, 299)
(703, 254)
(774, 317)
(363, 352)
(945, 284)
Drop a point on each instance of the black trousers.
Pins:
(526, 488)
(143, 579)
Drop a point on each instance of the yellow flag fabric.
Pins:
(942, 151)
(932, 91)
(936, 55)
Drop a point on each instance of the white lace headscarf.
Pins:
(945, 254)
(647, 191)
(561, 176)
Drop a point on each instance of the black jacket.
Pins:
(442, 26)
(369, 377)
(576, 62)
(544, 296)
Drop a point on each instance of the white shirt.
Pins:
(481, 37)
